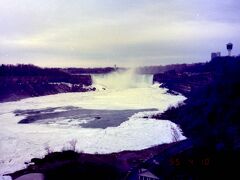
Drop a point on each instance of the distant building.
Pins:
(229, 48)
(145, 174)
(215, 54)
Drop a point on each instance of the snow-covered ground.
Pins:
(21, 142)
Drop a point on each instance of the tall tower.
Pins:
(229, 48)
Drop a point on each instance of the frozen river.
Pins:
(110, 119)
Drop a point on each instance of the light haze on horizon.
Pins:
(87, 33)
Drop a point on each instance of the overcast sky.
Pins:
(124, 32)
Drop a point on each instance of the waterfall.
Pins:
(122, 80)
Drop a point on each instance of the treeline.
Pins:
(29, 70)
(89, 70)
(196, 67)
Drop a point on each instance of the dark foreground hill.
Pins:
(210, 119)
(211, 111)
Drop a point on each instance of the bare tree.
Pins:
(73, 144)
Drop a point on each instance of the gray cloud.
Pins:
(93, 32)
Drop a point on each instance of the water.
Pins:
(111, 119)
(77, 117)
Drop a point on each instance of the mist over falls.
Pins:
(122, 80)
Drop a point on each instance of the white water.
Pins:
(122, 80)
(21, 142)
